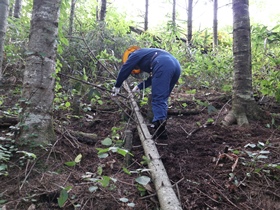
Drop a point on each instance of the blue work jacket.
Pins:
(141, 58)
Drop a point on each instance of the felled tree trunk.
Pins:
(166, 195)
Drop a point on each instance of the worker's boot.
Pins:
(160, 130)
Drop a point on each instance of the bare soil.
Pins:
(211, 166)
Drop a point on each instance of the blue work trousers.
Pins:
(166, 71)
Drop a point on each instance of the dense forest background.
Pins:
(59, 61)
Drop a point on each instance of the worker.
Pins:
(164, 70)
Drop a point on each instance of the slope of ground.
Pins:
(211, 166)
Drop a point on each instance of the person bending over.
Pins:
(164, 70)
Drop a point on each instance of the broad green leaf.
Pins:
(2, 201)
(68, 188)
(105, 181)
(62, 198)
(3, 167)
(113, 149)
(143, 180)
(211, 109)
(67, 104)
(71, 163)
(103, 155)
(101, 150)
(125, 170)
(78, 158)
(99, 170)
(92, 188)
(106, 142)
(122, 152)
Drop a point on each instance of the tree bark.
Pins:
(174, 13)
(4, 6)
(215, 24)
(11, 8)
(71, 18)
(190, 14)
(103, 10)
(243, 104)
(166, 195)
(17, 9)
(36, 122)
(146, 21)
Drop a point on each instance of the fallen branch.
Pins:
(89, 138)
(7, 120)
(183, 112)
(166, 195)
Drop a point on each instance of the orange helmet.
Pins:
(126, 55)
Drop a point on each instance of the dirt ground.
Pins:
(210, 166)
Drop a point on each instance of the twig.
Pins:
(27, 175)
(184, 130)
(178, 191)
(154, 194)
(93, 85)
(207, 195)
(222, 193)
(221, 111)
(196, 130)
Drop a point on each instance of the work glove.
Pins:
(136, 89)
(115, 91)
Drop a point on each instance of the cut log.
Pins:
(166, 195)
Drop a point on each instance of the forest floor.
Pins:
(210, 166)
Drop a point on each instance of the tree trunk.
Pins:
(97, 11)
(190, 14)
(71, 19)
(11, 8)
(146, 15)
(36, 123)
(4, 6)
(215, 24)
(103, 10)
(174, 13)
(17, 9)
(244, 106)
